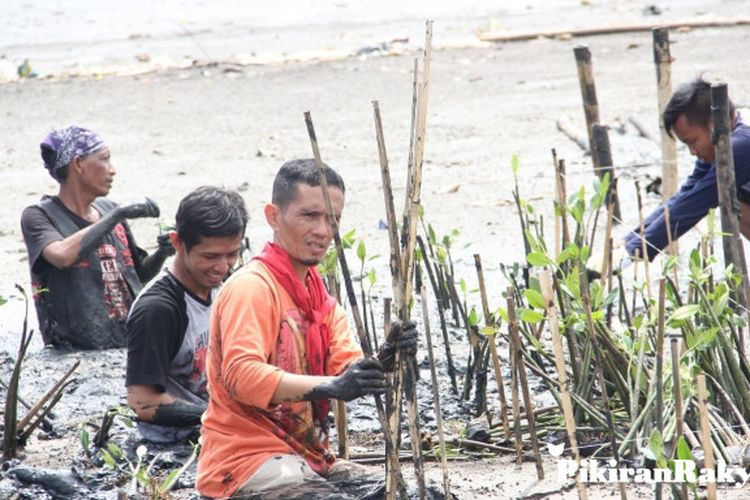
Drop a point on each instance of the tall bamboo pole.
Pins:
(394, 466)
(588, 94)
(599, 360)
(674, 346)
(496, 363)
(708, 448)
(734, 253)
(435, 393)
(545, 284)
(521, 371)
(602, 149)
(663, 63)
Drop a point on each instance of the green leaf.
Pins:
(720, 304)
(684, 312)
(503, 313)
(538, 259)
(421, 211)
(702, 338)
(656, 447)
(514, 164)
(85, 440)
(536, 344)
(462, 285)
(535, 298)
(683, 449)
(372, 276)
(570, 252)
(487, 331)
(473, 318)
(531, 316)
(108, 459)
(361, 251)
(3, 300)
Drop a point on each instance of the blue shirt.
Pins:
(695, 198)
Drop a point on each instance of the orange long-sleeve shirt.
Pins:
(256, 334)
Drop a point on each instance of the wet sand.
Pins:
(234, 125)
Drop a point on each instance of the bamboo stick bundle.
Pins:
(394, 467)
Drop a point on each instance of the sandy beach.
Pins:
(217, 116)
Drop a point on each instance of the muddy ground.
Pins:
(234, 125)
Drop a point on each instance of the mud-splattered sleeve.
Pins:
(344, 348)
(248, 320)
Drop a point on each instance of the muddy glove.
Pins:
(401, 338)
(361, 378)
(145, 208)
(165, 245)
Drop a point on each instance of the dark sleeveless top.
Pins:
(86, 305)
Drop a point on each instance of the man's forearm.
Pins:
(151, 265)
(293, 387)
(179, 413)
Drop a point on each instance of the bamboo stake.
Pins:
(562, 199)
(644, 254)
(512, 324)
(708, 448)
(659, 374)
(557, 226)
(603, 152)
(394, 466)
(441, 315)
(342, 432)
(435, 394)
(607, 257)
(49, 394)
(411, 215)
(567, 405)
(390, 211)
(588, 94)
(586, 302)
(734, 253)
(521, 370)
(663, 62)
(496, 364)
(674, 248)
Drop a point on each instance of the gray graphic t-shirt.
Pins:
(167, 344)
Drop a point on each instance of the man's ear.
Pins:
(272, 212)
(175, 239)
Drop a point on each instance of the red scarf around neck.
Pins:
(313, 300)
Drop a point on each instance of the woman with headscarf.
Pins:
(85, 266)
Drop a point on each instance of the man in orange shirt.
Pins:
(279, 348)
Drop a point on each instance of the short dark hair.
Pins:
(210, 212)
(302, 171)
(692, 99)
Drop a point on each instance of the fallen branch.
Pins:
(610, 30)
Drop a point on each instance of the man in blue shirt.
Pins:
(688, 116)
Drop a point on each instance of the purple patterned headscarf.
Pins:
(61, 146)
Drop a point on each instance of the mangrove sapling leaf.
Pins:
(473, 318)
(361, 251)
(85, 441)
(534, 298)
(655, 449)
(514, 163)
(683, 313)
(530, 316)
(539, 259)
(502, 313)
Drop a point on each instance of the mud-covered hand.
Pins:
(165, 245)
(138, 209)
(360, 379)
(401, 338)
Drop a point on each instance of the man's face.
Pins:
(96, 172)
(302, 228)
(206, 264)
(695, 137)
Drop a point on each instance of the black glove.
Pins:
(165, 245)
(146, 208)
(401, 338)
(361, 378)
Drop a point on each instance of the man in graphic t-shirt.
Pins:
(168, 324)
(85, 266)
